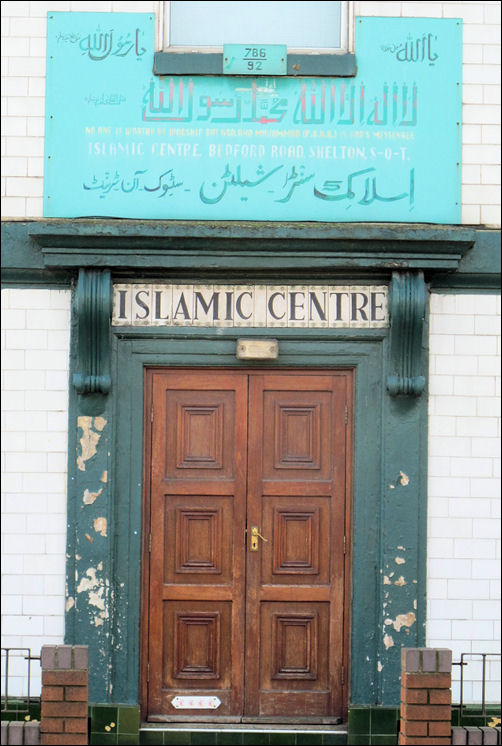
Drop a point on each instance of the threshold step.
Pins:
(242, 735)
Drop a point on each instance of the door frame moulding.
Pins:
(348, 372)
(379, 450)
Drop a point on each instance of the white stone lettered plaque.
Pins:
(257, 306)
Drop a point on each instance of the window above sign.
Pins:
(313, 36)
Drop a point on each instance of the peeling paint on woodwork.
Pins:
(99, 423)
(90, 438)
(95, 588)
(100, 525)
(399, 560)
(379, 667)
(104, 477)
(402, 549)
(70, 603)
(404, 620)
(388, 642)
(89, 538)
(400, 581)
(90, 582)
(388, 622)
(90, 497)
(386, 580)
(403, 479)
(78, 557)
(414, 581)
(415, 604)
(392, 487)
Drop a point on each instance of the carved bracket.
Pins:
(94, 308)
(407, 322)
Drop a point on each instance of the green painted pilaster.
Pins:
(90, 592)
(403, 538)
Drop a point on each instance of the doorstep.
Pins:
(199, 734)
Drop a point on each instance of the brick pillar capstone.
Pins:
(425, 696)
(65, 694)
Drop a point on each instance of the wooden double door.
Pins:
(248, 481)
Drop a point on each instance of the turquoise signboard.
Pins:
(122, 142)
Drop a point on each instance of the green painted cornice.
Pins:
(407, 314)
(50, 251)
(228, 245)
(479, 270)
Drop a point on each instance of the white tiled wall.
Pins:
(23, 88)
(464, 482)
(23, 92)
(35, 350)
(481, 97)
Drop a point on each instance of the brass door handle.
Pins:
(255, 535)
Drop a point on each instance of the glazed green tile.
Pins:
(255, 739)
(472, 721)
(359, 720)
(203, 739)
(35, 712)
(309, 739)
(176, 738)
(128, 719)
(282, 739)
(229, 739)
(386, 740)
(103, 739)
(384, 720)
(334, 739)
(151, 737)
(358, 739)
(101, 716)
(128, 739)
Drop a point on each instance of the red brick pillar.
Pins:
(425, 696)
(65, 694)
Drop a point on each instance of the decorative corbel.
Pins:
(94, 308)
(407, 322)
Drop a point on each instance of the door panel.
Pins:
(296, 492)
(259, 627)
(198, 498)
(298, 531)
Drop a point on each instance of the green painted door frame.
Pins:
(389, 502)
